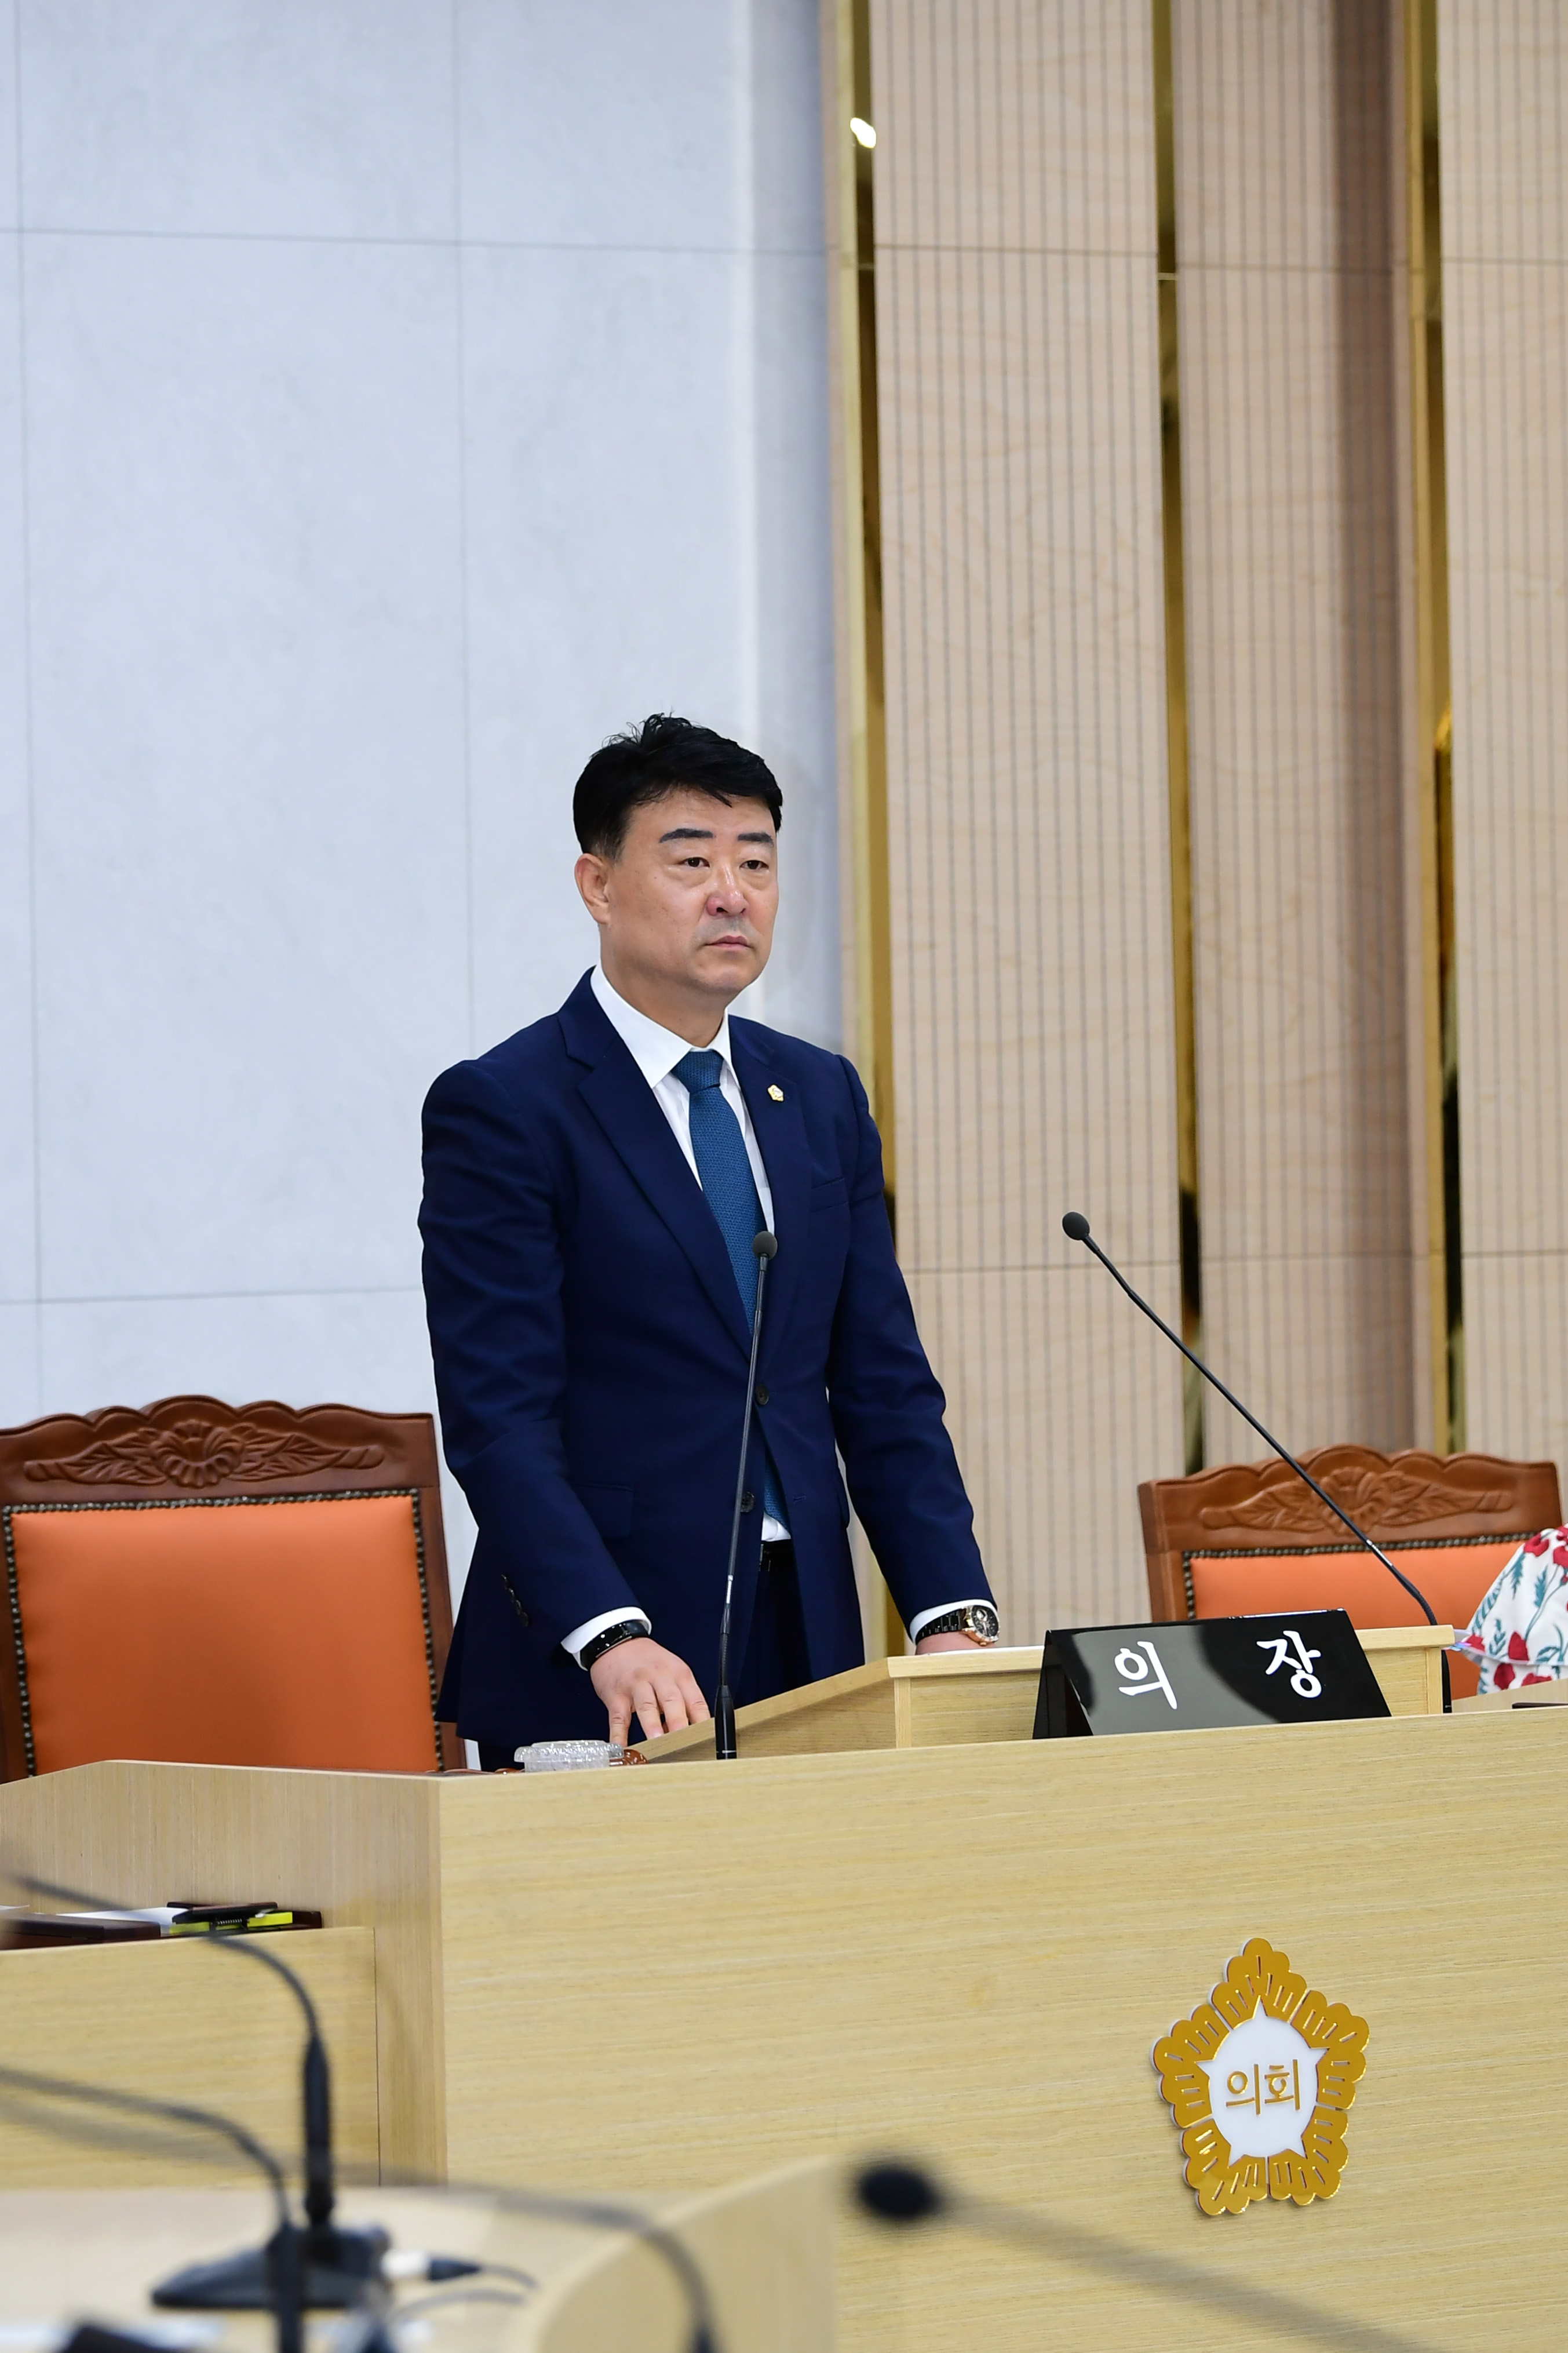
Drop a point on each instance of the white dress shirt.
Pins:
(655, 1051)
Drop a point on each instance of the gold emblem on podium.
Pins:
(1261, 2079)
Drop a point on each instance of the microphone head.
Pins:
(898, 2193)
(1075, 1225)
(764, 1245)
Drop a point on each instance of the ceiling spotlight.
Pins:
(863, 132)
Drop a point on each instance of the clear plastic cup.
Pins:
(571, 1756)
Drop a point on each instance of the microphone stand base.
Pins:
(724, 1723)
(334, 2267)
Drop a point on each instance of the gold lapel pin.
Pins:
(777, 1094)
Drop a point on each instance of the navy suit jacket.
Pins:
(591, 1353)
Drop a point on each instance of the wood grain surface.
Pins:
(764, 2250)
(175, 2021)
(966, 1953)
(1502, 87)
(953, 1698)
(359, 1846)
(948, 1697)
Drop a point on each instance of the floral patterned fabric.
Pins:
(1520, 1633)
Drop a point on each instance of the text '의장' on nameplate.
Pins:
(1306, 1668)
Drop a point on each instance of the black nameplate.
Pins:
(1303, 1668)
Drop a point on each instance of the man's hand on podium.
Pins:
(642, 1678)
(929, 1643)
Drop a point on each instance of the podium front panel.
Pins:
(965, 1954)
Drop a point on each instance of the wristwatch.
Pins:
(975, 1619)
(630, 1629)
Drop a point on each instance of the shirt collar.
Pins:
(655, 1049)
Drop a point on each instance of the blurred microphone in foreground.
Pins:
(372, 2330)
(905, 2196)
(335, 2266)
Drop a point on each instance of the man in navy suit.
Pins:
(591, 1191)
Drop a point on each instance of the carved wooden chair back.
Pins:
(208, 1584)
(1250, 1535)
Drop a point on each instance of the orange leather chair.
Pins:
(207, 1584)
(1251, 1536)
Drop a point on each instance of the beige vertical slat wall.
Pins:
(1286, 184)
(1018, 412)
(1031, 959)
(1503, 87)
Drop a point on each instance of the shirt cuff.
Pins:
(577, 1640)
(922, 1618)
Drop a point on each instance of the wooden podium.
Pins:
(956, 1697)
(963, 1952)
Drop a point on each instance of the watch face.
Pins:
(987, 1621)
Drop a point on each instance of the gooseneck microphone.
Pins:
(325, 2266)
(283, 2279)
(1075, 1225)
(905, 2196)
(34, 2097)
(336, 2264)
(330, 2266)
(764, 1247)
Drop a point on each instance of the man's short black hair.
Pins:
(661, 756)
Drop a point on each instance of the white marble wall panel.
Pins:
(641, 409)
(239, 118)
(364, 1347)
(782, 53)
(415, 392)
(570, 486)
(603, 456)
(246, 591)
(19, 1202)
(8, 192)
(613, 124)
(19, 1361)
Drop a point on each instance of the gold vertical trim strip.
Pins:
(861, 525)
(1434, 706)
(846, 49)
(872, 880)
(1189, 1232)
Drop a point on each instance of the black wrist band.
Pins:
(630, 1629)
(978, 1619)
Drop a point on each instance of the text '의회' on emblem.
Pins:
(1261, 2079)
(1278, 2081)
(1256, 2080)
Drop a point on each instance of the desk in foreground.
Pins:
(764, 2250)
(965, 1953)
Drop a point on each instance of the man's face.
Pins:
(688, 905)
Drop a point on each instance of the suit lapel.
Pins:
(621, 1100)
(780, 1130)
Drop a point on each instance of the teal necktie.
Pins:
(724, 1173)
